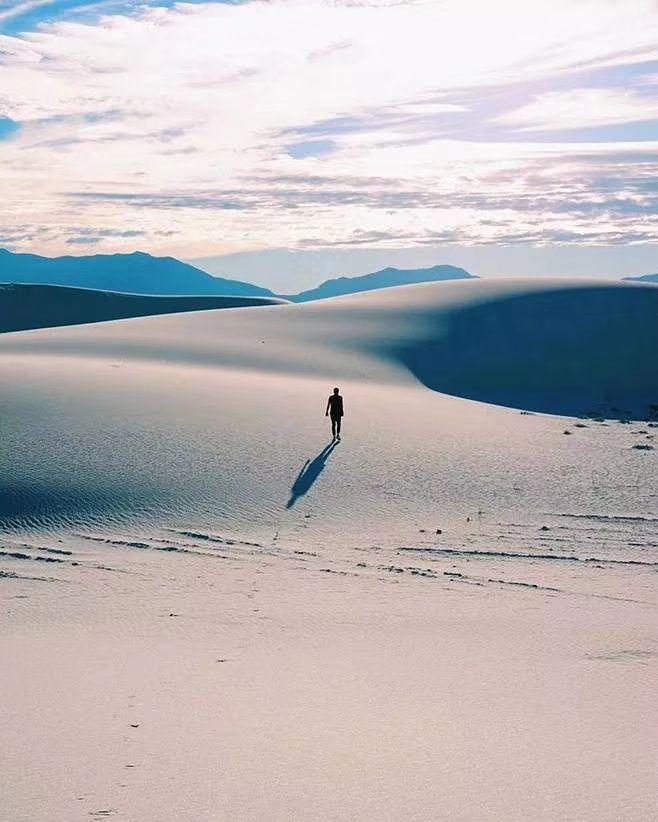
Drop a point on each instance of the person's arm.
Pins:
(326, 413)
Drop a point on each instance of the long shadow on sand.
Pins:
(311, 470)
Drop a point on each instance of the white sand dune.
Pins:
(122, 415)
(449, 615)
(550, 345)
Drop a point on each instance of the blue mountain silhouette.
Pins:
(136, 273)
(140, 273)
(386, 278)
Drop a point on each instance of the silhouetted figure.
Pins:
(311, 470)
(335, 411)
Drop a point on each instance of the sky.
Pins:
(291, 140)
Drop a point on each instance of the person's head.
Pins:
(335, 390)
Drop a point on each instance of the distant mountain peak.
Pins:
(384, 278)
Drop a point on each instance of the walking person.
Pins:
(335, 411)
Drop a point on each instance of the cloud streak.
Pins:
(582, 108)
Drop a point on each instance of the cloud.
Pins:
(163, 200)
(219, 127)
(582, 108)
(10, 10)
(93, 236)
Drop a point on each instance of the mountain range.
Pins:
(136, 273)
(141, 273)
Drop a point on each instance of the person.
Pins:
(335, 410)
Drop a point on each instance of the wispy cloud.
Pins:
(582, 108)
(9, 11)
(213, 127)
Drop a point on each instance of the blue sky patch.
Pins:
(20, 17)
(8, 128)
(311, 148)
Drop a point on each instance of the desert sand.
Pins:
(212, 612)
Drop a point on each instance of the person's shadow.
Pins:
(311, 470)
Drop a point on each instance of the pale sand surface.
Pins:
(325, 655)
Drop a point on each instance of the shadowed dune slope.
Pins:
(552, 345)
(46, 306)
(562, 350)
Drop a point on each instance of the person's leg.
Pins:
(333, 427)
(338, 426)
